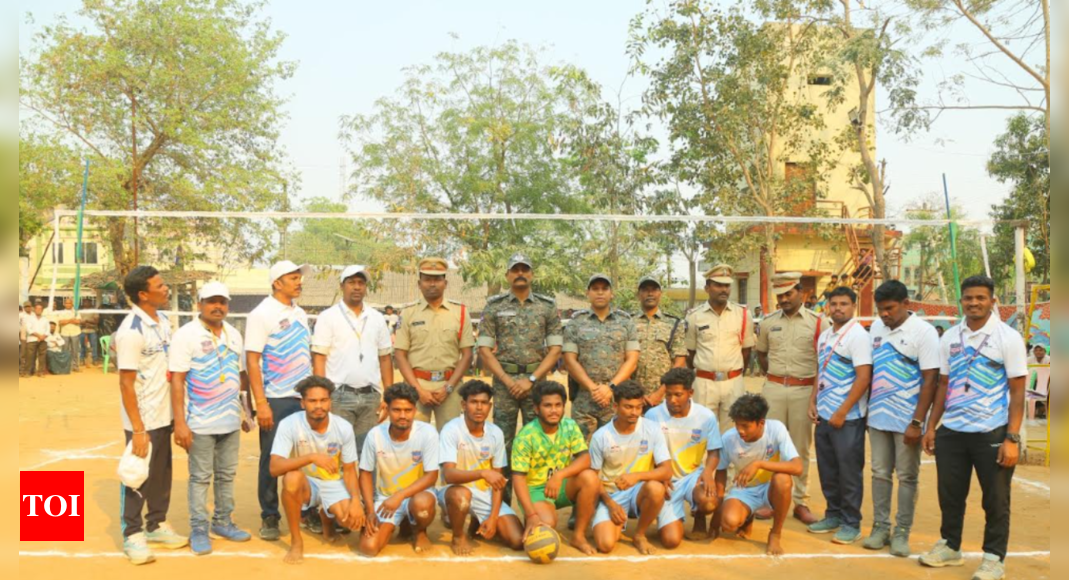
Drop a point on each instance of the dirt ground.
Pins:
(72, 424)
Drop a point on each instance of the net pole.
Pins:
(1022, 289)
(55, 261)
(953, 243)
(79, 246)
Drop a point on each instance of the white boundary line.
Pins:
(354, 559)
(1033, 484)
(60, 456)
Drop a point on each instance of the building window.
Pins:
(820, 80)
(89, 254)
(744, 291)
(57, 253)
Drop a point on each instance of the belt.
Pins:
(516, 370)
(790, 382)
(719, 377)
(360, 391)
(435, 377)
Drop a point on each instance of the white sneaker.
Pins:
(942, 556)
(137, 551)
(166, 538)
(991, 569)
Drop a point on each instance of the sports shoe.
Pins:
(200, 543)
(166, 538)
(825, 526)
(900, 544)
(312, 524)
(942, 556)
(230, 533)
(137, 551)
(880, 539)
(847, 536)
(991, 569)
(269, 531)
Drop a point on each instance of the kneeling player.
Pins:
(693, 436)
(473, 456)
(315, 455)
(631, 457)
(398, 466)
(551, 467)
(765, 458)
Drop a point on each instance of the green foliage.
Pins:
(50, 175)
(1022, 160)
(933, 244)
(172, 100)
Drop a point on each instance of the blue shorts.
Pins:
(399, 516)
(325, 494)
(682, 494)
(482, 503)
(755, 498)
(629, 501)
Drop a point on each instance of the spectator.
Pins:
(90, 336)
(69, 324)
(35, 353)
(25, 313)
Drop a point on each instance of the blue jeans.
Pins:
(212, 457)
(93, 348)
(267, 486)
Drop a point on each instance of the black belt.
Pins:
(515, 369)
(360, 391)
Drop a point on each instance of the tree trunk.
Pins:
(693, 261)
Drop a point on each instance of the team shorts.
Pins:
(399, 516)
(482, 503)
(326, 494)
(538, 495)
(682, 495)
(755, 498)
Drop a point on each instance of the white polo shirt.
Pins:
(353, 345)
(839, 355)
(900, 357)
(282, 335)
(37, 325)
(142, 345)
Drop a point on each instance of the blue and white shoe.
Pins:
(230, 533)
(200, 543)
(825, 526)
(165, 537)
(137, 551)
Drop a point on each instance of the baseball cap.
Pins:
(213, 290)
(649, 280)
(285, 268)
(520, 259)
(599, 277)
(354, 271)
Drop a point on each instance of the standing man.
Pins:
(787, 353)
(520, 340)
(352, 348)
(905, 372)
(35, 354)
(720, 339)
(660, 337)
(70, 328)
(25, 313)
(142, 344)
(207, 382)
(839, 407)
(980, 403)
(601, 350)
(392, 321)
(434, 345)
(278, 357)
(91, 336)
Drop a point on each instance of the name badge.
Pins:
(703, 328)
(415, 324)
(507, 314)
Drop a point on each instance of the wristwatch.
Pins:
(1013, 438)
(448, 390)
(612, 387)
(917, 424)
(533, 379)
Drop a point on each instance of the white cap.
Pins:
(285, 268)
(213, 290)
(354, 271)
(133, 470)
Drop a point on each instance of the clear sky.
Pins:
(352, 52)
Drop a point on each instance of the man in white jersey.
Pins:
(278, 357)
(693, 436)
(207, 383)
(315, 455)
(142, 344)
(839, 407)
(905, 373)
(473, 457)
(398, 470)
(766, 463)
(631, 457)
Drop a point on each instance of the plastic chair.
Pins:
(1038, 390)
(105, 351)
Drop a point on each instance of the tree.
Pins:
(933, 244)
(731, 92)
(1022, 160)
(49, 176)
(478, 132)
(1013, 53)
(175, 101)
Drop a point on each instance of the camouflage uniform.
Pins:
(602, 348)
(661, 338)
(521, 334)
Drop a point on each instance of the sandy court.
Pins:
(72, 424)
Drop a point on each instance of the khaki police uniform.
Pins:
(718, 341)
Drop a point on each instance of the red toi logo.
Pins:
(53, 506)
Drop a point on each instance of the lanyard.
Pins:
(842, 337)
(226, 347)
(359, 334)
(165, 342)
(968, 369)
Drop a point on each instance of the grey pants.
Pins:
(213, 459)
(360, 409)
(891, 456)
(73, 345)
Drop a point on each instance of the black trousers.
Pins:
(267, 485)
(156, 491)
(957, 456)
(841, 462)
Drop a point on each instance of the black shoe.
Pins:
(270, 532)
(312, 524)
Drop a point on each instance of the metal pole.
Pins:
(1022, 282)
(55, 261)
(987, 260)
(953, 243)
(79, 247)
